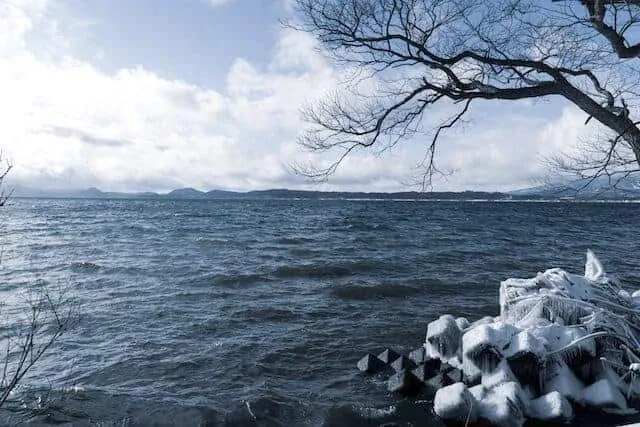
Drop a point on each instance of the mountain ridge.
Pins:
(598, 189)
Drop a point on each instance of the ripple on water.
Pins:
(211, 304)
(364, 292)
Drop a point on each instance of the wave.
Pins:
(368, 292)
(85, 267)
(334, 270)
(229, 280)
(268, 314)
(312, 271)
(294, 240)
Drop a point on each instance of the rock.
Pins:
(455, 403)
(405, 383)
(388, 356)
(443, 337)
(428, 369)
(500, 375)
(371, 364)
(432, 385)
(418, 355)
(432, 366)
(445, 367)
(603, 394)
(503, 406)
(462, 323)
(483, 344)
(403, 363)
(551, 406)
(454, 376)
(421, 373)
(525, 366)
(479, 392)
(564, 381)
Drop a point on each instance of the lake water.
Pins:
(192, 312)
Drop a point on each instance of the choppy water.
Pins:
(192, 309)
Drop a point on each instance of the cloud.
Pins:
(63, 132)
(67, 124)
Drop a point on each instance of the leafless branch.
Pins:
(422, 53)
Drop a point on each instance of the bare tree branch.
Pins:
(422, 53)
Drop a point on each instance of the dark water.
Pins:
(190, 310)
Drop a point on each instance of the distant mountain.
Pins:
(599, 188)
(581, 189)
(222, 194)
(191, 193)
(186, 193)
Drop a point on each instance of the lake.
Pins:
(237, 312)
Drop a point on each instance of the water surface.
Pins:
(193, 309)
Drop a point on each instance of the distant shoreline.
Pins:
(537, 194)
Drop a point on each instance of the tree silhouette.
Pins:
(424, 53)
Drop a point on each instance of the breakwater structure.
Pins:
(561, 341)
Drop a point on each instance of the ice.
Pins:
(605, 395)
(593, 269)
(443, 337)
(564, 381)
(456, 403)
(483, 344)
(559, 338)
(504, 406)
(551, 406)
(501, 374)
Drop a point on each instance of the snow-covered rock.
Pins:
(560, 338)
(456, 403)
(605, 395)
(443, 337)
(551, 406)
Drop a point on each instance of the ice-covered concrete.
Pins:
(560, 340)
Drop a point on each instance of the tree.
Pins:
(32, 322)
(423, 53)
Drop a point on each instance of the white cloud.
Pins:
(68, 124)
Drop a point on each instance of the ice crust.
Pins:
(560, 340)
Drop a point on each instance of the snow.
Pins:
(456, 403)
(570, 339)
(565, 382)
(504, 406)
(550, 406)
(604, 395)
(443, 337)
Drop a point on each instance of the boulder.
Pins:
(405, 383)
(433, 384)
(454, 376)
(403, 363)
(455, 403)
(388, 356)
(552, 406)
(428, 369)
(485, 344)
(604, 395)
(418, 355)
(371, 364)
(503, 406)
(558, 377)
(443, 337)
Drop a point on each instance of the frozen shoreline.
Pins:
(561, 341)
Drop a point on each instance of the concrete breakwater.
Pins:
(561, 341)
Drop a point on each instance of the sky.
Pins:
(153, 95)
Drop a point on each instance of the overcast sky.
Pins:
(139, 95)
